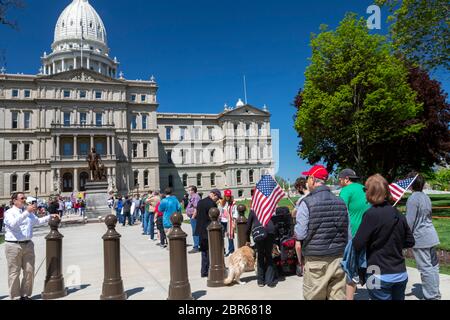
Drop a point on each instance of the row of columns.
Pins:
(50, 69)
(110, 146)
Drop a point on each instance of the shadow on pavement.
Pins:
(76, 289)
(3, 297)
(198, 294)
(134, 291)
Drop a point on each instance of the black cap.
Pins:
(217, 193)
(348, 173)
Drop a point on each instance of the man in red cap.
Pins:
(322, 235)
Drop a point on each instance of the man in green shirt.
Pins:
(354, 197)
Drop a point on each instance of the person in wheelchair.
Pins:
(285, 256)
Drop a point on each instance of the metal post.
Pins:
(179, 288)
(216, 274)
(54, 281)
(241, 226)
(112, 284)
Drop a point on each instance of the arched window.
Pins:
(67, 182)
(239, 176)
(146, 178)
(26, 182)
(251, 175)
(84, 177)
(213, 179)
(185, 180)
(171, 181)
(199, 180)
(13, 183)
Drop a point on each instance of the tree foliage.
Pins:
(356, 101)
(420, 30)
(5, 6)
(422, 150)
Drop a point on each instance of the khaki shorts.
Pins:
(324, 279)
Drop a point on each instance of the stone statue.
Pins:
(93, 160)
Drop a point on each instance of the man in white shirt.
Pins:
(19, 249)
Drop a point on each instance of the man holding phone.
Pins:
(19, 247)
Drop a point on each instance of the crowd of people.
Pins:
(358, 237)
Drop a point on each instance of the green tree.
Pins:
(355, 101)
(420, 30)
(442, 179)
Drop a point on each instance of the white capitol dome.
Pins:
(80, 42)
(80, 18)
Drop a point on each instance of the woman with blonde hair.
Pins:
(384, 233)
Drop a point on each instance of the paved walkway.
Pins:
(145, 270)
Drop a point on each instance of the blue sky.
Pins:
(199, 51)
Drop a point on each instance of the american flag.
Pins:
(399, 188)
(265, 199)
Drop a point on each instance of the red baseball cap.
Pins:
(227, 193)
(318, 171)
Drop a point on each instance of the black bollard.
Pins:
(179, 288)
(216, 274)
(54, 281)
(112, 284)
(241, 226)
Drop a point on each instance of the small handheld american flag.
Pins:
(399, 188)
(265, 199)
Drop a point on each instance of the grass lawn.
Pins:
(2, 239)
(443, 269)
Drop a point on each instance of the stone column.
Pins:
(88, 63)
(63, 65)
(75, 62)
(58, 149)
(75, 147)
(113, 143)
(75, 180)
(108, 147)
(92, 142)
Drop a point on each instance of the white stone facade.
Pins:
(50, 121)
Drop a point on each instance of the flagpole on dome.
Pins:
(405, 191)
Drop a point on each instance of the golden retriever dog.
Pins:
(242, 260)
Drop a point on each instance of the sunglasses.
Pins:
(21, 198)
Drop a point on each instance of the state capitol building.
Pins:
(79, 100)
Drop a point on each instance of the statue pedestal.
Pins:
(97, 199)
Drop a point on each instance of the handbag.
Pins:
(259, 233)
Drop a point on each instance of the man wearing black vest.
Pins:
(322, 235)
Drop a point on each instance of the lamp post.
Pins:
(36, 191)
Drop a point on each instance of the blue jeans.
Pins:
(151, 225)
(145, 223)
(119, 216)
(389, 291)
(196, 238)
(230, 241)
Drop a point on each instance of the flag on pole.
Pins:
(265, 199)
(399, 188)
